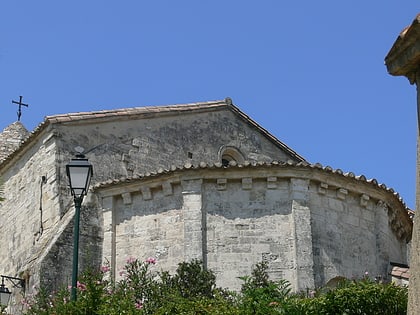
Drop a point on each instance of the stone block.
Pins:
(247, 183)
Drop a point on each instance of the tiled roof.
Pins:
(204, 165)
(147, 112)
(400, 272)
(150, 111)
(142, 112)
(247, 164)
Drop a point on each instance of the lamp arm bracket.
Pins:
(17, 282)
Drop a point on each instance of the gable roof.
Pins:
(149, 112)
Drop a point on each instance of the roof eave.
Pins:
(403, 59)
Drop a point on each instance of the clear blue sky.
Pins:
(311, 72)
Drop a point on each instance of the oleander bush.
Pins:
(192, 290)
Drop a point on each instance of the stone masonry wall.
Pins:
(308, 231)
(38, 210)
(352, 235)
(30, 212)
(148, 227)
(37, 217)
(11, 138)
(133, 147)
(248, 223)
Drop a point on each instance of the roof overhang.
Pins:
(404, 57)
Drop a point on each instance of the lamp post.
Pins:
(4, 291)
(79, 172)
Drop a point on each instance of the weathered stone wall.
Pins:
(30, 213)
(352, 235)
(138, 146)
(149, 227)
(11, 138)
(57, 261)
(308, 231)
(37, 217)
(38, 210)
(248, 223)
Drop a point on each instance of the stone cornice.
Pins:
(404, 57)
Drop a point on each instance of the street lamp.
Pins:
(4, 294)
(79, 172)
(4, 291)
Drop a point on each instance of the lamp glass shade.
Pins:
(79, 172)
(4, 295)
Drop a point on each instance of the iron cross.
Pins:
(19, 112)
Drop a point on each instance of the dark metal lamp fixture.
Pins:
(79, 172)
(4, 291)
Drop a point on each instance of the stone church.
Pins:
(194, 181)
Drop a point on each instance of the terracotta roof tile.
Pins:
(254, 164)
(135, 111)
(401, 272)
(146, 112)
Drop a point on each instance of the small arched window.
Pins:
(228, 154)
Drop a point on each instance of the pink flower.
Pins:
(151, 260)
(81, 286)
(130, 260)
(138, 305)
(105, 269)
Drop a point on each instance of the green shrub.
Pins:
(260, 295)
(192, 290)
(192, 280)
(364, 297)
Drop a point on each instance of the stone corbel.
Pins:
(322, 188)
(126, 198)
(342, 193)
(167, 189)
(221, 183)
(383, 205)
(364, 200)
(146, 193)
(271, 182)
(247, 183)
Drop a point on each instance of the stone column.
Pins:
(414, 284)
(108, 246)
(404, 60)
(302, 234)
(193, 219)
